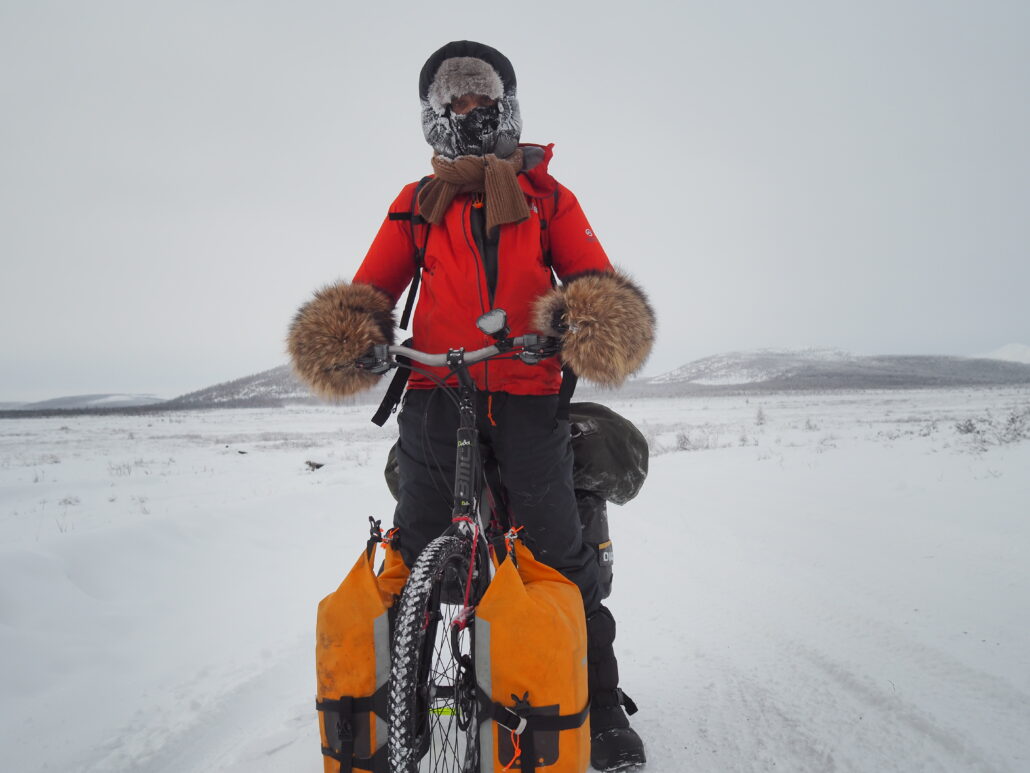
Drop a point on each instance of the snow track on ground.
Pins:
(807, 583)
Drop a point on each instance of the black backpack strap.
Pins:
(545, 233)
(394, 392)
(419, 255)
(568, 377)
(565, 392)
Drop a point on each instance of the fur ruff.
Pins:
(605, 323)
(463, 75)
(341, 323)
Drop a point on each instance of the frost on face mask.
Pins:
(484, 130)
(475, 132)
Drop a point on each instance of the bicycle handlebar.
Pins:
(528, 343)
(532, 348)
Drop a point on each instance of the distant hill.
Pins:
(269, 388)
(767, 370)
(790, 370)
(1011, 353)
(757, 371)
(756, 367)
(82, 402)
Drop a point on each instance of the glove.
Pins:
(329, 332)
(605, 323)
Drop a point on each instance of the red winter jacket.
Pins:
(453, 293)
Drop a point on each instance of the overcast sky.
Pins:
(177, 177)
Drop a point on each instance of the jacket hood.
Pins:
(536, 181)
(466, 67)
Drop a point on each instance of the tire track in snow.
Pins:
(262, 721)
(960, 753)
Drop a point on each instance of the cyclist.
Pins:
(486, 218)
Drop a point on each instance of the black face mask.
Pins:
(475, 133)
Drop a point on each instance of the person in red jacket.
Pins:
(498, 225)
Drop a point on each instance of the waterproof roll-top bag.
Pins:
(352, 661)
(610, 454)
(531, 670)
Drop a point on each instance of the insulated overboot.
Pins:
(614, 745)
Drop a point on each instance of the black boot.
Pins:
(613, 743)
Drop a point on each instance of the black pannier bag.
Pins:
(610, 453)
(610, 465)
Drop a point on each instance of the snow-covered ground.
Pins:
(807, 583)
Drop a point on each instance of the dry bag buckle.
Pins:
(375, 536)
(518, 727)
(509, 538)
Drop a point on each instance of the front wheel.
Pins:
(433, 711)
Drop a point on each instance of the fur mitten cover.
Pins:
(336, 327)
(605, 323)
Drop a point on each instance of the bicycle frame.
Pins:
(422, 698)
(466, 518)
(468, 477)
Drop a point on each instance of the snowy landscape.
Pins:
(816, 581)
(828, 567)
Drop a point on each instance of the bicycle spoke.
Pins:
(449, 742)
(432, 699)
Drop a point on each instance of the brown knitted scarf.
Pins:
(495, 177)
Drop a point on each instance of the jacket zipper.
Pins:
(481, 279)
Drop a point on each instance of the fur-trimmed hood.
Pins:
(466, 67)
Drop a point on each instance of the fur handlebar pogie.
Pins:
(605, 323)
(336, 327)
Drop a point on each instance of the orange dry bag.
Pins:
(531, 670)
(352, 659)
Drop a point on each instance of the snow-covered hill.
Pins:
(1010, 353)
(762, 371)
(86, 402)
(278, 386)
(740, 368)
(774, 370)
(270, 387)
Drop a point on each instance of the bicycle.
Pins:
(434, 714)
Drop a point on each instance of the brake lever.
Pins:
(536, 348)
(376, 361)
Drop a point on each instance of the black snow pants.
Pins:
(534, 454)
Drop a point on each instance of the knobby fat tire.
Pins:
(410, 670)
